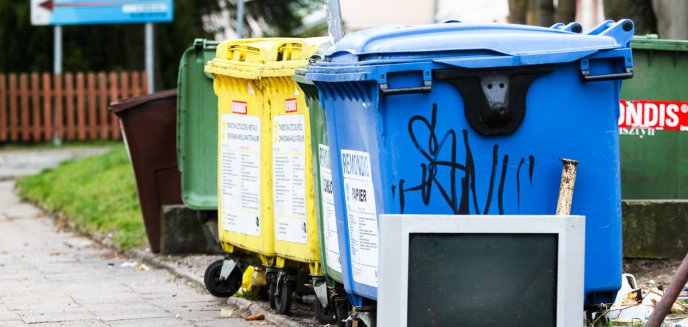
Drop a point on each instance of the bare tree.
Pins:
(518, 9)
(545, 13)
(640, 11)
(566, 11)
(541, 12)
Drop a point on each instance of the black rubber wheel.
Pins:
(341, 313)
(325, 315)
(225, 288)
(272, 290)
(283, 301)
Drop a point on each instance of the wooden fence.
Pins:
(72, 107)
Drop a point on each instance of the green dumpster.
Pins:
(197, 127)
(322, 175)
(653, 121)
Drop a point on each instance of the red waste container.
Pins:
(149, 125)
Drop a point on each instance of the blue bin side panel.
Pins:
(426, 159)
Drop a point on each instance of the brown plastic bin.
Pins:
(149, 126)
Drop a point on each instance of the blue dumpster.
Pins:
(472, 119)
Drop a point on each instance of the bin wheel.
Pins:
(272, 290)
(325, 315)
(225, 288)
(341, 313)
(283, 299)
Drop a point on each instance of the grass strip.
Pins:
(96, 194)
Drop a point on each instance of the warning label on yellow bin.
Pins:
(289, 181)
(240, 173)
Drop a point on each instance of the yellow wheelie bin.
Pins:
(266, 204)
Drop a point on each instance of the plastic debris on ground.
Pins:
(226, 313)
(142, 267)
(258, 316)
(634, 304)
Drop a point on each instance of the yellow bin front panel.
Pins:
(260, 107)
(244, 179)
(296, 230)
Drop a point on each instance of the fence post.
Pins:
(144, 82)
(103, 104)
(135, 85)
(58, 118)
(25, 109)
(91, 95)
(36, 107)
(69, 101)
(114, 122)
(80, 107)
(14, 114)
(47, 107)
(4, 126)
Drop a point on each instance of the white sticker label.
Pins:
(328, 215)
(289, 177)
(361, 216)
(240, 173)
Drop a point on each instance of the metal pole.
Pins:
(335, 26)
(240, 19)
(675, 286)
(149, 57)
(435, 8)
(568, 181)
(57, 70)
(57, 63)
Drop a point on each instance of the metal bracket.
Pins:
(228, 266)
(365, 317)
(320, 289)
(496, 89)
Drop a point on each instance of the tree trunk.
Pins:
(545, 13)
(640, 11)
(566, 11)
(671, 18)
(517, 11)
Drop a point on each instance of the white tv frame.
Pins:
(395, 230)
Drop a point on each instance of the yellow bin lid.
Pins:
(262, 57)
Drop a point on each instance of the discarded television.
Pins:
(438, 270)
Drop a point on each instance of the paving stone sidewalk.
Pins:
(53, 278)
(20, 162)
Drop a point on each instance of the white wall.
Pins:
(358, 14)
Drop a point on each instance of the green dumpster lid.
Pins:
(651, 42)
(300, 73)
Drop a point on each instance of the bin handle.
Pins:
(426, 88)
(586, 77)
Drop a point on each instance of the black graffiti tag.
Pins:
(432, 150)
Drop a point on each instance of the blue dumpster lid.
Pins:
(472, 45)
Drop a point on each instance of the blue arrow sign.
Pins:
(77, 12)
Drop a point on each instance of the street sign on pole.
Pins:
(79, 12)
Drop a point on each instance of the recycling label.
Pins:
(289, 177)
(328, 215)
(361, 216)
(240, 173)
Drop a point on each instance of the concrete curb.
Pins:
(153, 260)
(255, 309)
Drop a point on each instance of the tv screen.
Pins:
(482, 280)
